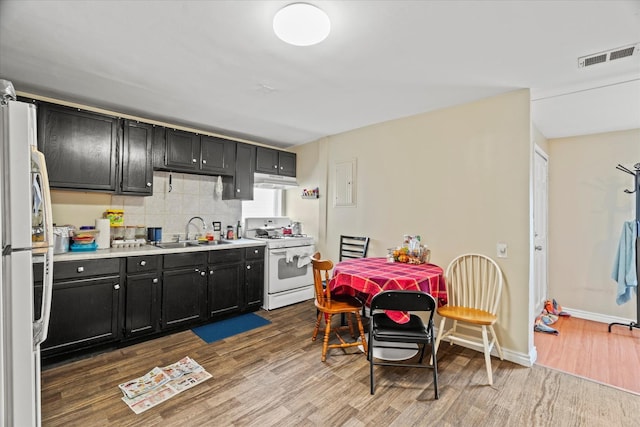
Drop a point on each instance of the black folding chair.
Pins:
(384, 332)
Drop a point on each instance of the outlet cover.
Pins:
(502, 250)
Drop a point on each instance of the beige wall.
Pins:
(458, 177)
(587, 207)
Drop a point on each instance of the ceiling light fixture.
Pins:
(301, 24)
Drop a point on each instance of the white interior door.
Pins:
(540, 227)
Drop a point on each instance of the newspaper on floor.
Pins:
(160, 384)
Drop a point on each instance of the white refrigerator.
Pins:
(27, 241)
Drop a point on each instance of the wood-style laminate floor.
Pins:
(586, 348)
(274, 376)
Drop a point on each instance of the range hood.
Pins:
(264, 180)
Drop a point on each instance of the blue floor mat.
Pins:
(226, 328)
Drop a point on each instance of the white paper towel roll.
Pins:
(103, 239)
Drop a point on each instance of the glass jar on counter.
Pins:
(141, 232)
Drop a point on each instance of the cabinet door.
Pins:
(217, 155)
(142, 310)
(225, 289)
(240, 186)
(137, 163)
(183, 299)
(159, 147)
(266, 160)
(287, 163)
(83, 312)
(245, 167)
(254, 280)
(80, 147)
(182, 150)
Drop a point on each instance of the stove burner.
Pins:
(284, 236)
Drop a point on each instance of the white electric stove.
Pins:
(288, 272)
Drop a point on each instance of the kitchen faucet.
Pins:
(186, 230)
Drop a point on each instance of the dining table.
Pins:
(366, 277)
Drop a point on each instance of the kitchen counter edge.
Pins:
(152, 250)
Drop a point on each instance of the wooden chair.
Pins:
(353, 247)
(474, 284)
(384, 332)
(327, 307)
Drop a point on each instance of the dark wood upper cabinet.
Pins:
(240, 185)
(182, 150)
(217, 155)
(81, 147)
(95, 152)
(137, 167)
(287, 163)
(275, 162)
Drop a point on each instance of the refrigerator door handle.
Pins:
(41, 326)
(41, 174)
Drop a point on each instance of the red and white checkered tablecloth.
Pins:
(373, 275)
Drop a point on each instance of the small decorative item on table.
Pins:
(411, 251)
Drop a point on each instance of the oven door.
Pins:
(283, 275)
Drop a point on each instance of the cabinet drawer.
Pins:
(85, 268)
(226, 256)
(255, 253)
(139, 264)
(184, 260)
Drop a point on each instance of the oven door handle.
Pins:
(272, 252)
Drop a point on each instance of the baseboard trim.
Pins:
(595, 317)
(523, 359)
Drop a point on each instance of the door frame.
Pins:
(536, 303)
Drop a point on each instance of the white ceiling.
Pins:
(217, 65)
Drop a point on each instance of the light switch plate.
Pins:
(502, 250)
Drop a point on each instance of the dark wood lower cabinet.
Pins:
(142, 308)
(183, 289)
(142, 301)
(225, 296)
(110, 302)
(254, 278)
(83, 313)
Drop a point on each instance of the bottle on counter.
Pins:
(238, 231)
(229, 232)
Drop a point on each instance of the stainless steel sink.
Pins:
(176, 245)
(189, 244)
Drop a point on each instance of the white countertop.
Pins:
(153, 250)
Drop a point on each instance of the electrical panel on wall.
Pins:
(345, 184)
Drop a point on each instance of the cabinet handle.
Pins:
(281, 167)
(237, 190)
(80, 269)
(248, 267)
(148, 184)
(256, 251)
(275, 166)
(197, 270)
(193, 160)
(211, 272)
(203, 273)
(143, 263)
(116, 286)
(204, 162)
(155, 280)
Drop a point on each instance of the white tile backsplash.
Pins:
(190, 195)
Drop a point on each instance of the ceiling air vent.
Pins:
(608, 56)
